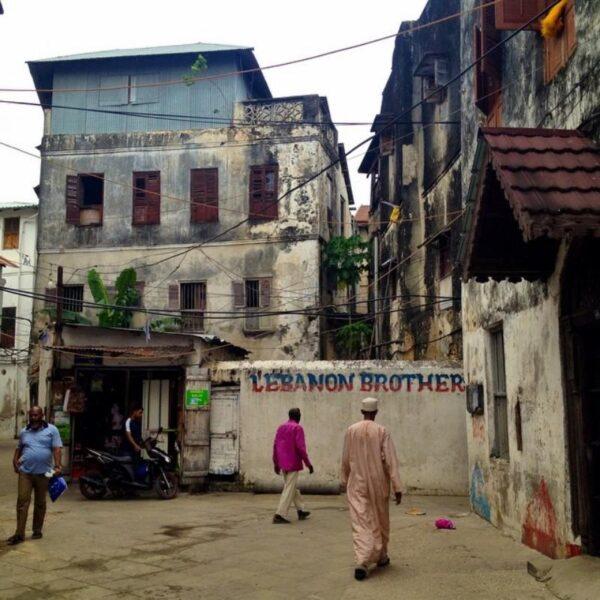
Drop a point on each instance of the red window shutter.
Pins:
(153, 198)
(488, 71)
(72, 198)
(239, 294)
(513, 14)
(264, 192)
(558, 50)
(174, 296)
(265, 293)
(204, 195)
(8, 327)
(570, 31)
(146, 198)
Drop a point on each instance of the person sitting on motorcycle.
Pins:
(133, 433)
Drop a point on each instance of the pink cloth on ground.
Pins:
(444, 524)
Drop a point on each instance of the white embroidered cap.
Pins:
(369, 404)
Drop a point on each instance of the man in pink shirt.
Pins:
(289, 452)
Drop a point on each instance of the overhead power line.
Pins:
(288, 63)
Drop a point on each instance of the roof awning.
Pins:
(530, 188)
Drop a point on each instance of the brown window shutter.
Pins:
(570, 30)
(146, 198)
(239, 294)
(488, 71)
(204, 195)
(174, 296)
(264, 192)
(201, 303)
(265, 293)
(72, 198)
(139, 199)
(8, 327)
(512, 14)
(558, 50)
(153, 198)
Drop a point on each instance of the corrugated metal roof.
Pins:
(551, 178)
(15, 205)
(197, 48)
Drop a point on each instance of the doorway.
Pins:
(580, 320)
(224, 432)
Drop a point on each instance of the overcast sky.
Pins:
(278, 31)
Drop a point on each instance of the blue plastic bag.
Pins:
(56, 487)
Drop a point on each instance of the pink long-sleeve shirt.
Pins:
(289, 447)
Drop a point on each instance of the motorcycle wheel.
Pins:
(166, 485)
(91, 491)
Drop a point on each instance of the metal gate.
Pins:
(155, 398)
(224, 431)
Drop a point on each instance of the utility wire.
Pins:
(180, 81)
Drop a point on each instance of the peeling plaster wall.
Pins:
(287, 249)
(417, 401)
(424, 180)
(528, 495)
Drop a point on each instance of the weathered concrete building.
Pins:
(18, 231)
(414, 166)
(531, 296)
(198, 185)
(141, 169)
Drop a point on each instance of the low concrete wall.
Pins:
(421, 404)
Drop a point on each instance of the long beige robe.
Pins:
(369, 466)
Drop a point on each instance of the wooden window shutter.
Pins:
(265, 292)
(8, 327)
(174, 296)
(488, 71)
(513, 14)
(264, 192)
(558, 50)
(239, 294)
(204, 195)
(72, 197)
(146, 198)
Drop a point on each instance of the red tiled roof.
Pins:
(362, 214)
(551, 179)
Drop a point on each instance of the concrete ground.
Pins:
(223, 545)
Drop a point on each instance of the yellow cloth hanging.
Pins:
(395, 215)
(553, 23)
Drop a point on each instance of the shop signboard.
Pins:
(197, 398)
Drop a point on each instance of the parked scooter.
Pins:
(120, 475)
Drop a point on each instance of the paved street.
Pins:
(224, 546)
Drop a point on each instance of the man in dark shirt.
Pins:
(133, 433)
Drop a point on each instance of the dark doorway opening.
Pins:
(581, 345)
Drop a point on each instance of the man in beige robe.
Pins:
(369, 466)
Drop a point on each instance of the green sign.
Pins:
(196, 398)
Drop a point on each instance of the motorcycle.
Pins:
(120, 474)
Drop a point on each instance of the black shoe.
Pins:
(303, 514)
(384, 562)
(360, 573)
(278, 519)
(37, 535)
(14, 540)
